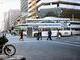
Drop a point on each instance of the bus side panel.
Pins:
(54, 33)
(65, 32)
(45, 33)
(75, 32)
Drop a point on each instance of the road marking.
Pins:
(67, 43)
(78, 43)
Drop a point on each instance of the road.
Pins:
(65, 48)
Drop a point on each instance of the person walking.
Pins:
(49, 35)
(58, 34)
(21, 35)
(39, 35)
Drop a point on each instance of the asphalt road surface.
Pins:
(49, 49)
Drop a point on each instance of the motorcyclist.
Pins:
(3, 40)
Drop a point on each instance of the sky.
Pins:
(11, 4)
(6, 5)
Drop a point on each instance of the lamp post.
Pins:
(72, 17)
(59, 11)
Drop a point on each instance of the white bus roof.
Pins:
(74, 21)
(75, 26)
(55, 18)
(50, 18)
(43, 24)
(49, 26)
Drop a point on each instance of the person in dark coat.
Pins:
(40, 32)
(39, 35)
(21, 35)
(49, 35)
(3, 41)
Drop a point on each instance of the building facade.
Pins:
(29, 9)
(32, 9)
(43, 8)
(10, 18)
(24, 9)
(6, 22)
(59, 8)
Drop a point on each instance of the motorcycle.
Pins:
(7, 49)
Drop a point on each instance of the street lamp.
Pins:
(59, 11)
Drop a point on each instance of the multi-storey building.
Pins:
(29, 8)
(6, 22)
(32, 9)
(10, 18)
(59, 8)
(24, 9)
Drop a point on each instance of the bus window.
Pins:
(35, 29)
(54, 29)
(76, 29)
(66, 28)
(45, 29)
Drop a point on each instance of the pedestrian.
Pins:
(39, 35)
(58, 34)
(3, 40)
(49, 35)
(40, 32)
(21, 35)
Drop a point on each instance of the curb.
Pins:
(3, 57)
(16, 57)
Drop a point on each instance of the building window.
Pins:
(37, 0)
(46, 3)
